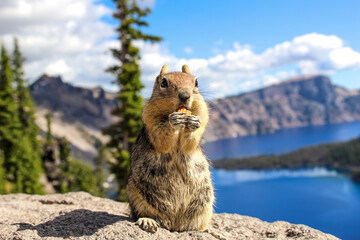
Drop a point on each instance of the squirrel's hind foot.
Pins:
(147, 224)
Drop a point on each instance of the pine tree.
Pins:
(9, 122)
(64, 152)
(80, 177)
(2, 174)
(123, 133)
(99, 162)
(49, 137)
(49, 159)
(76, 175)
(26, 110)
(29, 168)
(64, 155)
(30, 147)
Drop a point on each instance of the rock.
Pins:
(82, 216)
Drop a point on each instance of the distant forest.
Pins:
(29, 162)
(344, 156)
(36, 163)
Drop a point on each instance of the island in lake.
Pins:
(343, 156)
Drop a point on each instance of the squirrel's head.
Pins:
(176, 89)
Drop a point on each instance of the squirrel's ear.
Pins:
(185, 69)
(164, 70)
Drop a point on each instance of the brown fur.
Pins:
(170, 181)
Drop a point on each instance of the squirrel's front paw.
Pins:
(193, 123)
(178, 120)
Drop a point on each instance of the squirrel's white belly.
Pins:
(189, 175)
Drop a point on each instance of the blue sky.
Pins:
(203, 23)
(245, 44)
(210, 27)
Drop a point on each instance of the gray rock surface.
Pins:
(82, 216)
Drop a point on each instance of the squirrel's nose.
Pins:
(184, 95)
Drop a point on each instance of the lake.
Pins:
(320, 198)
(282, 141)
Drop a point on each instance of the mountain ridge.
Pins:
(55, 94)
(308, 101)
(80, 113)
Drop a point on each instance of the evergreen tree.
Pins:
(29, 168)
(49, 137)
(30, 152)
(2, 174)
(21, 160)
(64, 155)
(9, 122)
(76, 175)
(64, 152)
(49, 159)
(80, 177)
(26, 110)
(123, 133)
(99, 162)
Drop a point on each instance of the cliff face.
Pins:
(90, 107)
(82, 216)
(298, 102)
(80, 113)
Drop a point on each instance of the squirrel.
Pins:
(170, 182)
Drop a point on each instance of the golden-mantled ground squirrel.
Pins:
(170, 183)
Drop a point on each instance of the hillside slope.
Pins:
(80, 113)
(299, 102)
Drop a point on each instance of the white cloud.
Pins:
(67, 37)
(319, 40)
(63, 37)
(345, 57)
(240, 69)
(270, 80)
(57, 68)
(188, 50)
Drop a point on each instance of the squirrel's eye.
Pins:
(164, 83)
(196, 83)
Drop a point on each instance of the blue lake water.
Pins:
(320, 198)
(282, 141)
